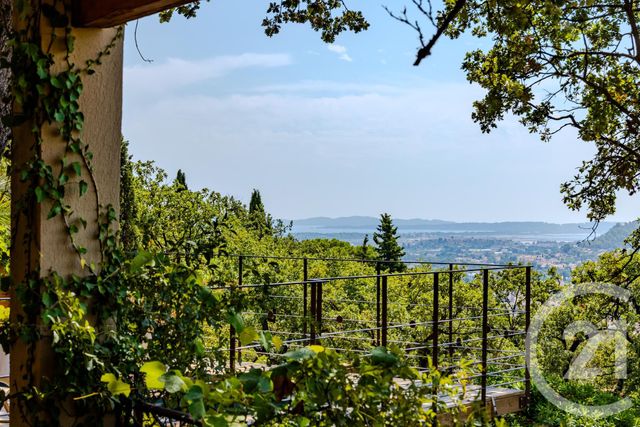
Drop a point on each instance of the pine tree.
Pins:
(129, 235)
(387, 246)
(181, 180)
(365, 247)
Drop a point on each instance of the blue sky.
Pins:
(347, 129)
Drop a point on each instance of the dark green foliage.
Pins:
(181, 181)
(563, 64)
(259, 219)
(387, 246)
(364, 249)
(328, 17)
(129, 234)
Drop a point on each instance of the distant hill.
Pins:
(363, 222)
(368, 224)
(613, 238)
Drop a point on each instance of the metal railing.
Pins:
(431, 325)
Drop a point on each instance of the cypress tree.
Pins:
(181, 180)
(259, 220)
(387, 246)
(128, 206)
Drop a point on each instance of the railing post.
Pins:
(232, 330)
(305, 276)
(384, 311)
(436, 318)
(450, 313)
(527, 321)
(240, 281)
(377, 303)
(485, 328)
(312, 338)
(319, 307)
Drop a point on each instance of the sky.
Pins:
(335, 130)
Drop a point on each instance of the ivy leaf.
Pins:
(153, 371)
(236, 320)
(199, 346)
(248, 335)
(316, 348)
(277, 342)
(300, 354)
(47, 300)
(194, 393)
(382, 356)
(172, 382)
(250, 380)
(83, 187)
(141, 259)
(55, 210)
(115, 385)
(77, 168)
(266, 340)
(216, 421)
(196, 409)
(39, 194)
(264, 384)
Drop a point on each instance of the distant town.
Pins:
(544, 245)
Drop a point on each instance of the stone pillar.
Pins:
(50, 248)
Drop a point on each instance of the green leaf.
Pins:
(300, 354)
(194, 393)
(248, 335)
(381, 355)
(266, 340)
(107, 378)
(40, 194)
(115, 385)
(264, 384)
(277, 342)
(141, 259)
(236, 320)
(196, 409)
(172, 382)
(55, 210)
(77, 168)
(47, 300)
(250, 380)
(153, 371)
(216, 421)
(199, 346)
(83, 187)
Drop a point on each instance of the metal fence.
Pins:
(442, 313)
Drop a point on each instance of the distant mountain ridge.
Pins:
(434, 225)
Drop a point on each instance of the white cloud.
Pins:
(344, 148)
(327, 87)
(341, 51)
(176, 73)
